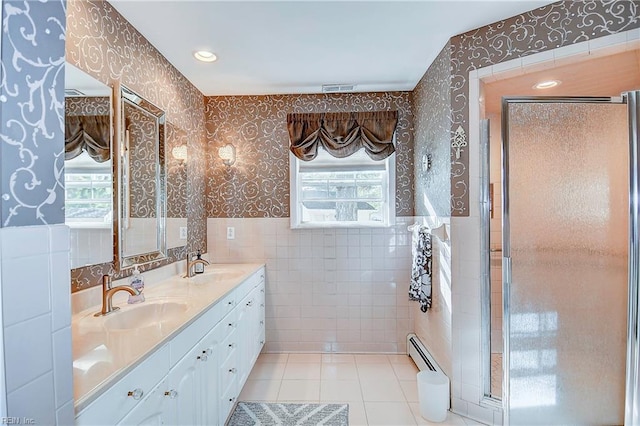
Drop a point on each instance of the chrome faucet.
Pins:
(191, 262)
(107, 295)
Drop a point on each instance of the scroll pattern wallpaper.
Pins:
(87, 105)
(432, 119)
(142, 149)
(556, 25)
(257, 185)
(176, 173)
(32, 129)
(102, 43)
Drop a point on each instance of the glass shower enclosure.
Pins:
(570, 289)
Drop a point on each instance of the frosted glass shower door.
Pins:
(565, 244)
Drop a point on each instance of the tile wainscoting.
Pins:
(328, 290)
(36, 324)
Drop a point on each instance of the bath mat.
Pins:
(271, 413)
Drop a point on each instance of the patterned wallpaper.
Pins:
(142, 165)
(32, 113)
(432, 120)
(176, 173)
(87, 105)
(257, 185)
(556, 25)
(102, 43)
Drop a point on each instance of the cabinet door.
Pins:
(152, 410)
(259, 321)
(184, 385)
(245, 344)
(209, 371)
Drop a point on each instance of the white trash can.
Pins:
(433, 394)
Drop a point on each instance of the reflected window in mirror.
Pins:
(88, 169)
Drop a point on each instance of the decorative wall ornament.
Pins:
(258, 183)
(459, 141)
(559, 24)
(106, 46)
(32, 110)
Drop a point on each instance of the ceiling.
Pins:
(286, 47)
(586, 76)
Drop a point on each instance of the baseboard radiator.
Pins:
(420, 355)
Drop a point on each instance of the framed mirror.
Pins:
(141, 180)
(88, 168)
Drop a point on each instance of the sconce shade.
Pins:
(179, 152)
(227, 154)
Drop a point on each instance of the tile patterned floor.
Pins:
(380, 389)
(496, 375)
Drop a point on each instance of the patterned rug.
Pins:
(271, 413)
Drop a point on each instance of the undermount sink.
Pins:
(144, 315)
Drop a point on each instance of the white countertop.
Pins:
(103, 355)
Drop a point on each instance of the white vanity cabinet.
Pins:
(243, 344)
(194, 378)
(152, 410)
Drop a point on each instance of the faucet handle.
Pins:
(106, 282)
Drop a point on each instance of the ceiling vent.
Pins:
(72, 93)
(338, 88)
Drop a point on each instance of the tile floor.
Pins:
(496, 375)
(380, 389)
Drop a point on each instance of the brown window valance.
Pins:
(343, 133)
(89, 133)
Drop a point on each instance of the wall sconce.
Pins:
(227, 154)
(180, 153)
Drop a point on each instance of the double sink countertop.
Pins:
(106, 348)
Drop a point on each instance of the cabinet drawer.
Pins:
(193, 333)
(115, 403)
(229, 302)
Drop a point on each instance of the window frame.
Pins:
(88, 223)
(295, 206)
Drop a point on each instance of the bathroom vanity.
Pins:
(181, 357)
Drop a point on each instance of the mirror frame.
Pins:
(122, 261)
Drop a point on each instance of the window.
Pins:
(350, 191)
(88, 193)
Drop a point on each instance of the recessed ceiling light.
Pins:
(205, 56)
(546, 84)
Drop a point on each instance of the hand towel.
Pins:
(420, 286)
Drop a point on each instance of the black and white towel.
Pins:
(420, 287)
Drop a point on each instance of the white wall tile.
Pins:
(66, 414)
(60, 282)
(58, 238)
(28, 351)
(25, 286)
(34, 401)
(63, 366)
(607, 41)
(24, 241)
(482, 414)
(316, 276)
